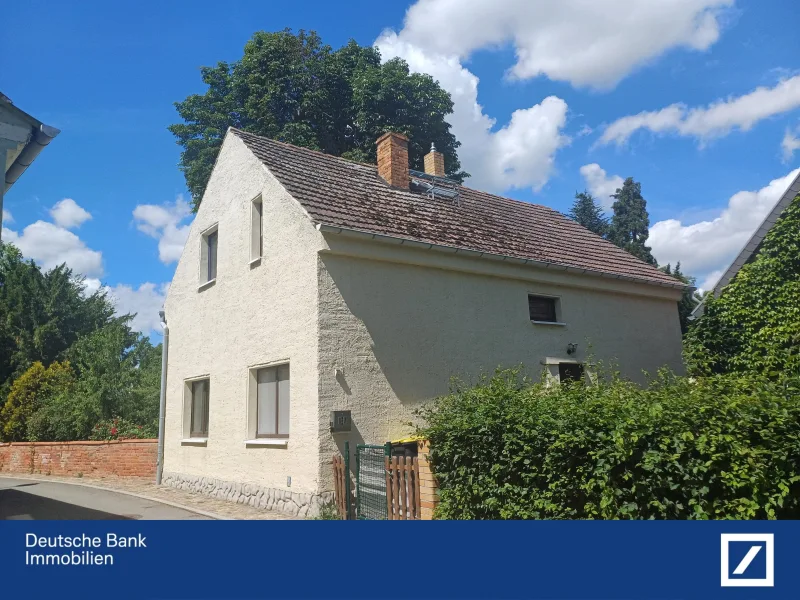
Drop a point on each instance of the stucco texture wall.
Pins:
(399, 331)
(254, 314)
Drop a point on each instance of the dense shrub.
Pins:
(122, 429)
(719, 447)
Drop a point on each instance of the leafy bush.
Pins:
(719, 447)
(122, 429)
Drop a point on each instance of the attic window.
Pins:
(542, 309)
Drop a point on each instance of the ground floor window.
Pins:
(272, 402)
(570, 372)
(198, 421)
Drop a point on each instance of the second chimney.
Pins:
(393, 159)
(434, 162)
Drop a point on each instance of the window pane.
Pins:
(570, 372)
(283, 400)
(267, 402)
(542, 309)
(212, 255)
(199, 425)
(260, 229)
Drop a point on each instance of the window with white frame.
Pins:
(256, 229)
(208, 255)
(270, 402)
(196, 411)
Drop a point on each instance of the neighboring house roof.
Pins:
(343, 194)
(753, 245)
(25, 138)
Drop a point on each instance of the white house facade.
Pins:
(310, 284)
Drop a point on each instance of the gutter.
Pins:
(41, 138)
(162, 405)
(323, 228)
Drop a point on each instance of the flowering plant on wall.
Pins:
(121, 429)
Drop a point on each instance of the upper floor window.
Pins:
(542, 309)
(256, 229)
(208, 255)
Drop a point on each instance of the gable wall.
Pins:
(252, 315)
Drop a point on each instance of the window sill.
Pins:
(207, 284)
(255, 262)
(194, 441)
(556, 323)
(275, 443)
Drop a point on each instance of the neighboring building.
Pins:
(22, 138)
(753, 245)
(310, 283)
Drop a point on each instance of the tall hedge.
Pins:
(720, 447)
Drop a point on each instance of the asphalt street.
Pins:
(23, 499)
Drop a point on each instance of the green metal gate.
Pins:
(371, 481)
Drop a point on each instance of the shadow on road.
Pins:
(19, 505)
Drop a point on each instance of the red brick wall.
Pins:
(126, 458)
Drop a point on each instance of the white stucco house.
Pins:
(310, 283)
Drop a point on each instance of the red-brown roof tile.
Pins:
(340, 193)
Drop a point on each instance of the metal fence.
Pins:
(371, 481)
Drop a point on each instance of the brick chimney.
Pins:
(393, 159)
(434, 163)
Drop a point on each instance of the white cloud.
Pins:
(594, 43)
(163, 222)
(51, 245)
(705, 249)
(790, 143)
(7, 218)
(520, 154)
(716, 120)
(68, 214)
(600, 184)
(145, 301)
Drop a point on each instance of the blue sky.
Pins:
(560, 89)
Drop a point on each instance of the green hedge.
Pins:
(717, 447)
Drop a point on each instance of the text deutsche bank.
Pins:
(81, 549)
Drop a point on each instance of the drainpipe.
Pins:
(163, 402)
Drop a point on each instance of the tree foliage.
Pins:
(754, 324)
(690, 298)
(293, 88)
(722, 447)
(630, 223)
(66, 362)
(587, 212)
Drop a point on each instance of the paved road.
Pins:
(31, 500)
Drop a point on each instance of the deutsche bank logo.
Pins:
(748, 559)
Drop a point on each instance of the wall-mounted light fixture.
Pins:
(572, 349)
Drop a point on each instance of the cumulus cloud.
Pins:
(520, 154)
(68, 214)
(705, 249)
(145, 301)
(716, 120)
(790, 143)
(592, 44)
(600, 184)
(7, 218)
(163, 222)
(51, 245)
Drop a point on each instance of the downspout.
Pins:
(163, 402)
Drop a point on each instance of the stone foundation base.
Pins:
(301, 505)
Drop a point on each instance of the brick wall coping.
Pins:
(79, 443)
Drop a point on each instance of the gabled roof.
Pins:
(347, 195)
(752, 246)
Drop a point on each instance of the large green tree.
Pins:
(588, 212)
(292, 87)
(690, 298)
(630, 222)
(754, 323)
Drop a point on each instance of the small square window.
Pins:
(570, 372)
(542, 308)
